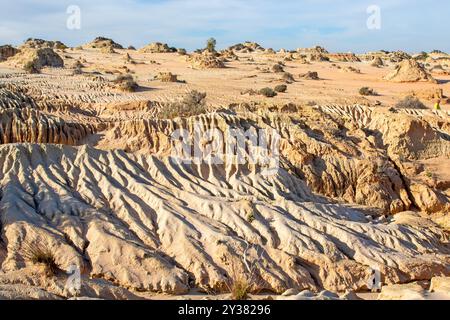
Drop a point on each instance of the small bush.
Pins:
(281, 88)
(182, 52)
(277, 68)
(268, 92)
(31, 68)
(126, 83)
(240, 289)
(366, 91)
(195, 97)
(288, 77)
(39, 253)
(422, 56)
(243, 282)
(410, 102)
(192, 104)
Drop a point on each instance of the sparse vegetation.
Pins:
(251, 217)
(422, 56)
(288, 77)
(182, 52)
(366, 91)
(30, 67)
(211, 45)
(310, 75)
(192, 104)
(126, 83)
(243, 282)
(277, 68)
(268, 92)
(39, 253)
(429, 174)
(240, 288)
(410, 102)
(281, 88)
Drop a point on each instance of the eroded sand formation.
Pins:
(86, 170)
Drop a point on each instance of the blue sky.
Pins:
(339, 25)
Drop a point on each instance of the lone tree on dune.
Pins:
(211, 45)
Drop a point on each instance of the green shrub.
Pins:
(31, 68)
(281, 88)
(422, 56)
(211, 45)
(366, 91)
(240, 289)
(268, 92)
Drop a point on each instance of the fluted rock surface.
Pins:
(149, 224)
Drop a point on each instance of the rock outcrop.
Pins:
(21, 121)
(205, 60)
(39, 58)
(149, 224)
(409, 71)
(92, 174)
(7, 51)
(247, 47)
(343, 57)
(102, 42)
(40, 43)
(157, 47)
(377, 62)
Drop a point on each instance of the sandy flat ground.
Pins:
(224, 86)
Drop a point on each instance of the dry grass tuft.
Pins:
(242, 283)
(366, 91)
(192, 104)
(39, 253)
(126, 83)
(410, 102)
